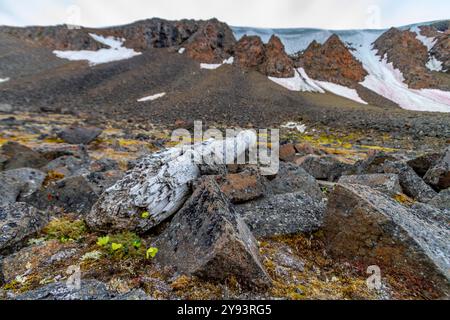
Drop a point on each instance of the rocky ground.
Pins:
(343, 200)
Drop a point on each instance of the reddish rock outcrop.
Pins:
(332, 62)
(270, 59)
(441, 51)
(212, 43)
(407, 54)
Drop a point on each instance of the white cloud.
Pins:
(331, 14)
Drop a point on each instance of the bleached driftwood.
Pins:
(159, 184)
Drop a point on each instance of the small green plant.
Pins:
(151, 252)
(65, 230)
(145, 215)
(116, 246)
(102, 241)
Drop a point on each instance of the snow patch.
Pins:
(295, 125)
(182, 50)
(153, 97)
(434, 64)
(213, 66)
(4, 80)
(302, 82)
(115, 52)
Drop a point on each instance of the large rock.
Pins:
(367, 227)
(373, 164)
(430, 213)
(207, 238)
(283, 214)
(19, 183)
(73, 195)
(213, 42)
(410, 182)
(442, 200)
(439, 175)
(386, 183)
(18, 156)
(101, 181)
(269, 59)
(243, 187)
(292, 178)
(18, 221)
(68, 166)
(79, 135)
(323, 167)
(88, 290)
(332, 62)
(422, 164)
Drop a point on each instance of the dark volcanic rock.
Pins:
(19, 183)
(292, 178)
(287, 152)
(73, 194)
(332, 62)
(366, 226)
(18, 156)
(18, 221)
(373, 164)
(207, 238)
(249, 52)
(410, 182)
(278, 63)
(283, 214)
(79, 135)
(68, 166)
(100, 181)
(439, 175)
(386, 183)
(407, 54)
(213, 42)
(423, 163)
(323, 167)
(88, 290)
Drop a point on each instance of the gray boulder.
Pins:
(242, 187)
(89, 290)
(283, 214)
(18, 221)
(80, 135)
(19, 183)
(439, 175)
(68, 166)
(386, 183)
(293, 178)
(410, 182)
(442, 200)
(423, 163)
(366, 226)
(323, 167)
(73, 194)
(15, 156)
(207, 238)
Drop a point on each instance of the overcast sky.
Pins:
(330, 14)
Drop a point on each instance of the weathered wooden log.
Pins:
(159, 184)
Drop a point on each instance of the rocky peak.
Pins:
(269, 59)
(212, 43)
(332, 62)
(407, 54)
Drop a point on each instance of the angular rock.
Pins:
(386, 183)
(430, 213)
(442, 200)
(373, 164)
(18, 221)
(292, 178)
(80, 135)
(19, 183)
(410, 182)
(242, 187)
(55, 151)
(366, 226)
(73, 195)
(424, 163)
(323, 167)
(283, 214)
(68, 166)
(287, 152)
(439, 175)
(17, 156)
(207, 238)
(212, 43)
(278, 63)
(100, 181)
(103, 165)
(249, 52)
(89, 290)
